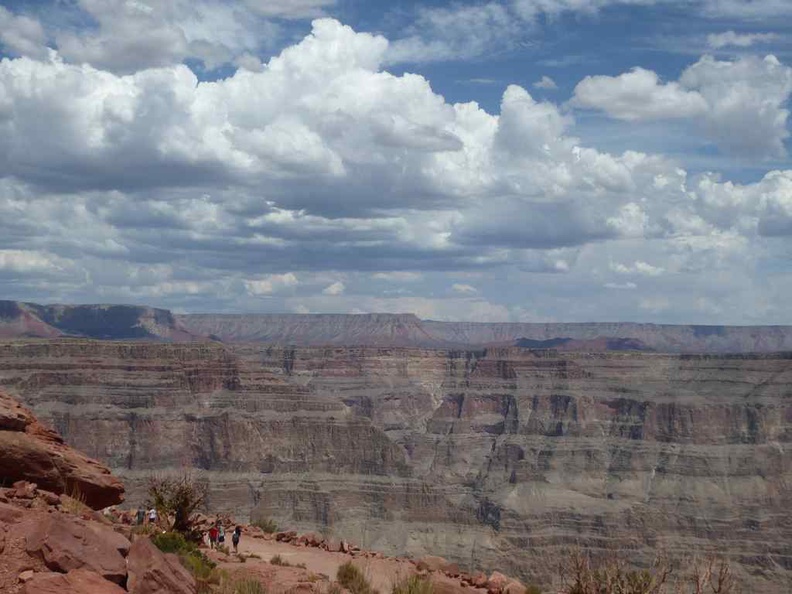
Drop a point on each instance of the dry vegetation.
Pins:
(176, 499)
(581, 574)
(414, 584)
(352, 578)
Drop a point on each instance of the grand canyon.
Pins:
(493, 445)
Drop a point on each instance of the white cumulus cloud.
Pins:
(740, 105)
(337, 288)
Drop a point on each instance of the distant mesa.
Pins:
(596, 344)
(135, 322)
(100, 322)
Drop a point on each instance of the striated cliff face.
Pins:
(493, 457)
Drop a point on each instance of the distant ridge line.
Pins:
(134, 322)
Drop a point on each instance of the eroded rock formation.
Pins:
(492, 458)
(29, 451)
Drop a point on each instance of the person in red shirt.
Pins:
(213, 532)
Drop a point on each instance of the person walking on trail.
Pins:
(220, 534)
(213, 536)
(235, 537)
(152, 516)
(140, 516)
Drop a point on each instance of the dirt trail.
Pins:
(382, 573)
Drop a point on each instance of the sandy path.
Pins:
(382, 573)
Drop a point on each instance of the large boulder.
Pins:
(32, 452)
(433, 563)
(78, 581)
(152, 572)
(498, 583)
(66, 543)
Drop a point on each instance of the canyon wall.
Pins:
(496, 458)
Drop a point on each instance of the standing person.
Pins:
(235, 537)
(212, 536)
(152, 516)
(140, 516)
(220, 534)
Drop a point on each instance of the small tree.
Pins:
(177, 498)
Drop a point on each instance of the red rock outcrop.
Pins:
(66, 543)
(152, 572)
(78, 581)
(34, 453)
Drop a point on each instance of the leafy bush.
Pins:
(278, 560)
(202, 569)
(351, 578)
(266, 524)
(173, 542)
(414, 584)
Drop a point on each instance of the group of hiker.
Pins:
(216, 534)
(141, 516)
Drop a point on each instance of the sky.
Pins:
(502, 160)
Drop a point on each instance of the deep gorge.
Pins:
(493, 457)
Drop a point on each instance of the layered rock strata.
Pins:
(493, 458)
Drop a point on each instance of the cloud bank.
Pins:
(323, 182)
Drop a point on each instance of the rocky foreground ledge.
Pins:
(30, 451)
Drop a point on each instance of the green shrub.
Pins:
(533, 590)
(414, 584)
(202, 569)
(173, 542)
(351, 578)
(266, 524)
